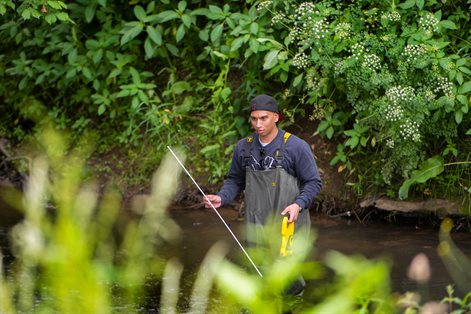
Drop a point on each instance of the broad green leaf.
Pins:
(407, 5)
(431, 168)
(465, 70)
(149, 48)
(216, 33)
(352, 142)
(140, 13)
(90, 12)
(237, 43)
(180, 87)
(154, 34)
(458, 116)
(465, 88)
(214, 9)
(173, 50)
(131, 33)
(447, 24)
(181, 6)
(180, 33)
(330, 132)
(271, 59)
(468, 132)
(322, 126)
(254, 28)
(186, 19)
(462, 99)
(298, 79)
(167, 16)
(420, 4)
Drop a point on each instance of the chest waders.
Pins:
(267, 194)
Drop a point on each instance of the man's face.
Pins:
(263, 122)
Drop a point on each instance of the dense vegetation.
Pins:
(389, 81)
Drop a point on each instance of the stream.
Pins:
(398, 243)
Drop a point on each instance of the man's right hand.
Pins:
(214, 199)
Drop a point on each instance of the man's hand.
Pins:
(214, 199)
(293, 211)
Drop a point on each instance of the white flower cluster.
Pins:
(390, 143)
(312, 82)
(358, 50)
(393, 112)
(410, 130)
(429, 23)
(398, 94)
(300, 60)
(343, 30)
(338, 68)
(444, 84)
(393, 16)
(413, 52)
(305, 8)
(372, 61)
(263, 5)
(279, 17)
(309, 29)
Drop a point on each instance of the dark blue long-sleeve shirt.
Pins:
(298, 161)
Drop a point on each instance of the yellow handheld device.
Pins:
(287, 231)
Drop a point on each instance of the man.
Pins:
(277, 170)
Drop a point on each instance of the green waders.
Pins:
(267, 194)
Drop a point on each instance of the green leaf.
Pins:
(173, 50)
(154, 34)
(431, 168)
(298, 79)
(468, 132)
(180, 87)
(465, 70)
(237, 43)
(254, 28)
(180, 33)
(407, 5)
(330, 132)
(149, 48)
(465, 88)
(458, 116)
(181, 6)
(352, 142)
(216, 33)
(167, 16)
(186, 19)
(140, 13)
(271, 59)
(131, 33)
(447, 24)
(420, 4)
(90, 12)
(462, 99)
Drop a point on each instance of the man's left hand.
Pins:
(293, 211)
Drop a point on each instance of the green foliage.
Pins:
(432, 167)
(399, 73)
(70, 260)
(390, 81)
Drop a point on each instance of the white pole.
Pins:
(215, 210)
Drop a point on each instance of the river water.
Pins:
(398, 243)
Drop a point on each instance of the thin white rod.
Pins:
(216, 211)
